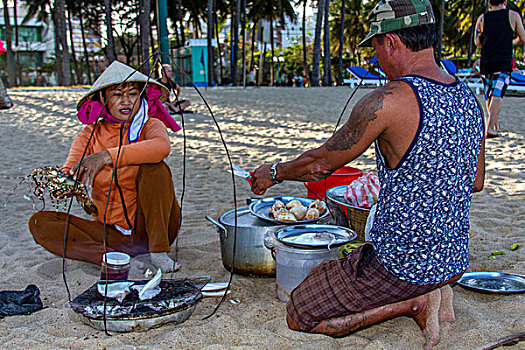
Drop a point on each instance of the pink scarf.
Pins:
(91, 110)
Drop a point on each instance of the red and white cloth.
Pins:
(363, 191)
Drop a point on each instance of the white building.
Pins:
(36, 43)
(36, 40)
(292, 33)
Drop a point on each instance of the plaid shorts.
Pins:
(349, 285)
(495, 84)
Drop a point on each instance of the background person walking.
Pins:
(495, 36)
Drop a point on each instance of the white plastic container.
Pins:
(293, 264)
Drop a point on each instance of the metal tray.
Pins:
(493, 282)
(261, 209)
(342, 235)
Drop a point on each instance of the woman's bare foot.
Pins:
(427, 316)
(446, 309)
(164, 262)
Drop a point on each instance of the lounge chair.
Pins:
(517, 82)
(464, 75)
(449, 67)
(361, 74)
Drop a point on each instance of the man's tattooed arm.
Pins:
(363, 113)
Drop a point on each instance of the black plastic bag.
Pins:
(20, 302)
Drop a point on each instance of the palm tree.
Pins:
(317, 43)
(209, 36)
(181, 25)
(243, 35)
(216, 24)
(84, 45)
(9, 44)
(351, 31)
(341, 43)
(303, 29)
(236, 10)
(327, 67)
(145, 27)
(272, 10)
(73, 54)
(60, 15)
(17, 54)
(109, 27)
(441, 20)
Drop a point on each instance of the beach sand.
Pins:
(259, 126)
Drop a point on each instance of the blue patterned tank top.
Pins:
(421, 228)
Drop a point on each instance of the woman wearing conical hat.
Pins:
(138, 206)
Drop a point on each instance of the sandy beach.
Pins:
(259, 126)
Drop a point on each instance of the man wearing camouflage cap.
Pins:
(427, 129)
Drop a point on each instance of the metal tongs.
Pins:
(238, 171)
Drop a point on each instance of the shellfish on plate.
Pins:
(296, 211)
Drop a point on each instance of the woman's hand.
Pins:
(90, 166)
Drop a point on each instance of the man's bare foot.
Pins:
(427, 316)
(446, 309)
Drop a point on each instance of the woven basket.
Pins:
(357, 219)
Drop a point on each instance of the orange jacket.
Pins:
(152, 146)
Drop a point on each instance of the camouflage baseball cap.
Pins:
(390, 15)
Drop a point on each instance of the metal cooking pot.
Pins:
(251, 256)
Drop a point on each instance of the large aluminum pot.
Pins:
(251, 256)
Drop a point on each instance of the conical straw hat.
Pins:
(116, 73)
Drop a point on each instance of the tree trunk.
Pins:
(341, 44)
(440, 44)
(138, 24)
(305, 62)
(145, 28)
(471, 37)
(243, 35)
(60, 13)
(109, 28)
(209, 36)
(73, 54)
(58, 51)
(176, 27)
(152, 39)
(15, 22)
(327, 66)
(84, 44)
(17, 45)
(219, 51)
(317, 43)
(260, 77)
(9, 46)
(253, 45)
(181, 25)
(235, 39)
(272, 65)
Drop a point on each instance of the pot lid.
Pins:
(116, 258)
(315, 236)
